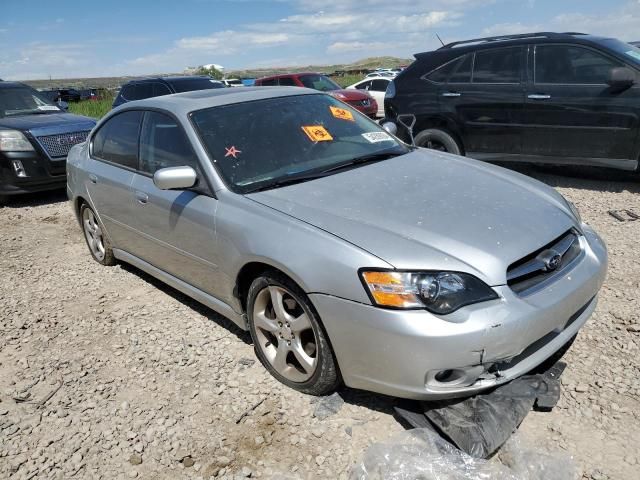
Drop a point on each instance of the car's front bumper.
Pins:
(399, 353)
(39, 174)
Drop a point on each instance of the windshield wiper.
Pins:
(289, 180)
(374, 157)
(299, 178)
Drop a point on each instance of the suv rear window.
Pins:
(189, 85)
(502, 65)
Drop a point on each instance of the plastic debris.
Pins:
(479, 425)
(420, 454)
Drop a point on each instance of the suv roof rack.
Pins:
(504, 38)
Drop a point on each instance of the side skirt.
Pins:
(619, 163)
(189, 290)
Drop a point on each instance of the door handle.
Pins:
(142, 197)
(539, 96)
(451, 94)
(93, 178)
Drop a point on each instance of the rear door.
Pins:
(571, 112)
(175, 227)
(112, 163)
(483, 94)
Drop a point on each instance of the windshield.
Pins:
(319, 82)
(23, 101)
(631, 53)
(195, 84)
(260, 143)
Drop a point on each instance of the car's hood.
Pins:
(49, 123)
(427, 210)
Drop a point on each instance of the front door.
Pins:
(112, 163)
(571, 114)
(484, 95)
(176, 227)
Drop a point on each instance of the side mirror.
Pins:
(175, 178)
(390, 127)
(621, 78)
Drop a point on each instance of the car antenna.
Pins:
(440, 39)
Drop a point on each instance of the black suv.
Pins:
(35, 138)
(565, 98)
(156, 87)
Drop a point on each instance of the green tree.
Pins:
(212, 72)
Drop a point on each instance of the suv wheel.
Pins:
(437, 139)
(97, 241)
(287, 336)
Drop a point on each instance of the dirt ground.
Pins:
(107, 373)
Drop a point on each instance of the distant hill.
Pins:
(370, 63)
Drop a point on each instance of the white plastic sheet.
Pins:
(420, 454)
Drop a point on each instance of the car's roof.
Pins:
(456, 48)
(183, 103)
(169, 78)
(4, 84)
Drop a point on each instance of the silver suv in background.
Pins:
(349, 255)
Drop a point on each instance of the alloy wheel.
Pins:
(285, 334)
(93, 233)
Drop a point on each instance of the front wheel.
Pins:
(287, 336)
(437, 139)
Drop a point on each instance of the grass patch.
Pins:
(91, 108)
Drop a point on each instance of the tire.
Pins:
(437, 139)
(3, 200)
(97, 241)
(290, 341)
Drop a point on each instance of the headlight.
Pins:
(438, 292)
(14, 141)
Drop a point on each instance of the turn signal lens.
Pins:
(392, 289)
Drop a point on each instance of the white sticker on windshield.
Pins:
(375, 137)
(634, 54)
(48, 107)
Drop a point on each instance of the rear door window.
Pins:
(502, 65)
(164, 144)
(379, 85)
(269, 82)
(569, 64)
(364, 85)
(287, 82)
(159, 89)
(117, 140)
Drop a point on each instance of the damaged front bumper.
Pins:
(418, 355)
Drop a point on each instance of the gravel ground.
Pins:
(107, 373)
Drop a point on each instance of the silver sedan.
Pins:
(350, 256)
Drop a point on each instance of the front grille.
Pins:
(543, 264)
(361, 103)
(59, 145)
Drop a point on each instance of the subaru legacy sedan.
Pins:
(350, 256)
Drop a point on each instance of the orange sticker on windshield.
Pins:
(317, 133)
(342, 113)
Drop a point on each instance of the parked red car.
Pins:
(358, 99)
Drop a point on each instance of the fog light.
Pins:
(19, 168)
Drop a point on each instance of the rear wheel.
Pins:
(437, 139)
(97, 241)
(287, 336)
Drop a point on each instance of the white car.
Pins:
(383, 73)
(232, 82)
(376, 86)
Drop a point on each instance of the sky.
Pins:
(70, 39)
